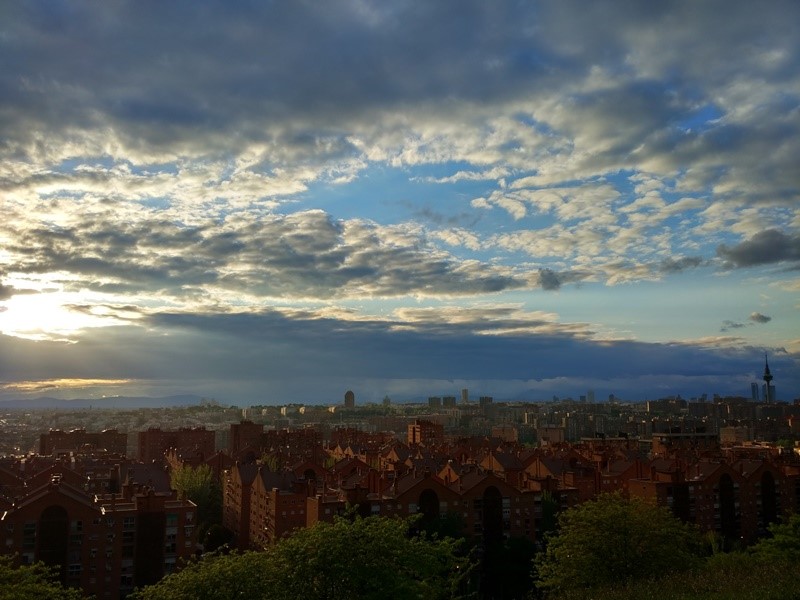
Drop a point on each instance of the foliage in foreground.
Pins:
(362, 558)
(736, 576)
(615, 540)
(31, 582)
(767, 571)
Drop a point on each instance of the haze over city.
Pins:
(277, 202)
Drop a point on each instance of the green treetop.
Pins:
(615, 540)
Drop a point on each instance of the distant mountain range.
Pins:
(117, 402)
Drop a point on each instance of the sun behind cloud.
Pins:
(49, 316)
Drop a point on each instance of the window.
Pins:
(170, 545)
(129, 523)
(169, 565)
(29, 535)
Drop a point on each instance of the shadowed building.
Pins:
(186, 442)
(56, 441)
(103, 544)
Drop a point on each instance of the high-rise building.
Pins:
(349, 399)
(754, 392)
(465, 396)
(769, 389)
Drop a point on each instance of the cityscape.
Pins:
(93, 491)
(363, 299)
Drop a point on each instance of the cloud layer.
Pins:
(409, 165)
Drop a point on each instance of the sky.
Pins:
(275, 202)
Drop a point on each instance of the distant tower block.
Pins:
(349, 399)
(464, 396)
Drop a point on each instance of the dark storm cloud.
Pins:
(153, 74)
(757, 317)
(268, 351)
(765, 247)
(7, 291)
(553, 280)
(305, 254)
(727, 325)
(152, 77)
(549, 279)
(673, 265)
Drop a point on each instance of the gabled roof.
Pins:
(282, 480)
(618, 467)
(478, 477)
(152, 475)
(245, 473)
(407, 483)
(55, 492)
(507, 461)
(347, 465)
(749, 467)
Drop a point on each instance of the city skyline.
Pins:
(277, 203)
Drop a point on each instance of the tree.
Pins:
(365, 558)
(215, 576)
(199, 485)
(784, 541)
(31, 582)
(614, 540)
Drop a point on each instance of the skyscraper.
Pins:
(769, 389)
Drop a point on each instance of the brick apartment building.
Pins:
(244, 435)
(236, 496)
(56, 441)
(425, 432)
(496, 487)
(185, 442)
(738, 500)
(104, 544)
